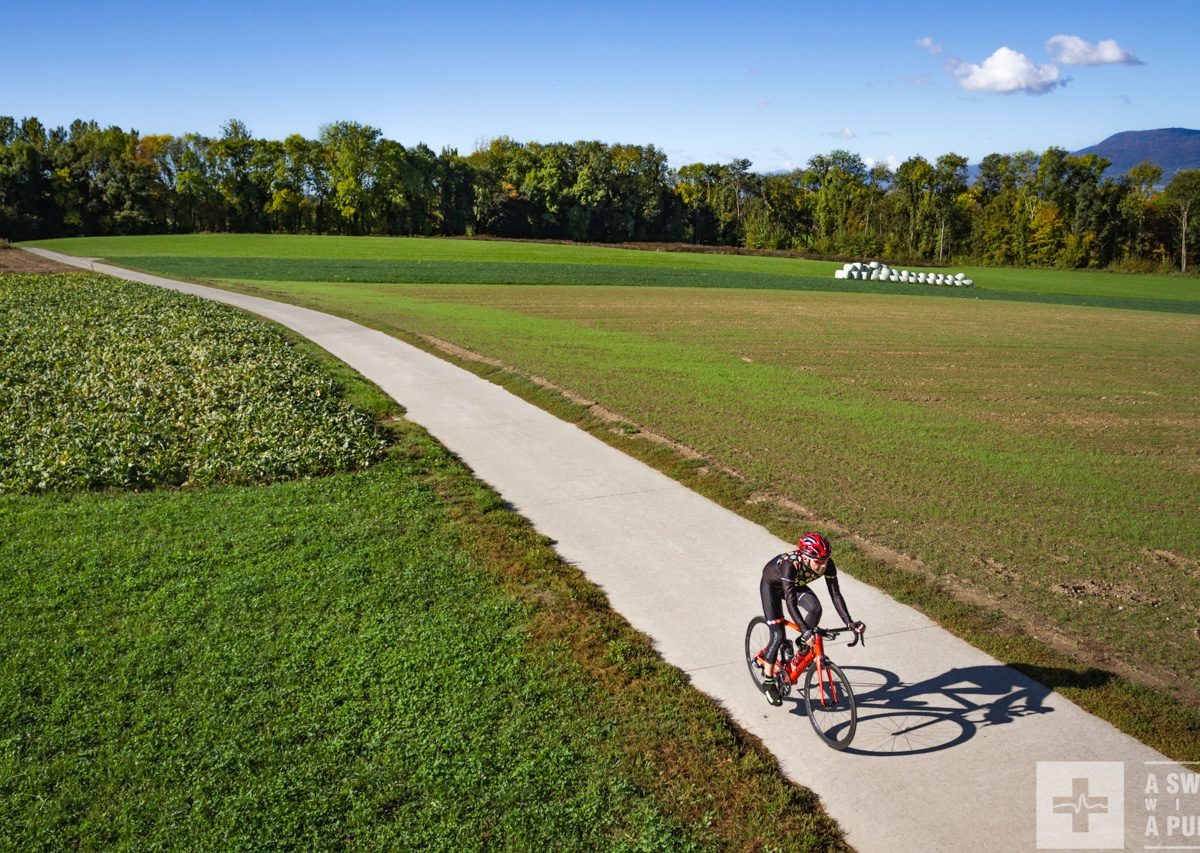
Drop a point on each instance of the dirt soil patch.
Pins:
(17, 261)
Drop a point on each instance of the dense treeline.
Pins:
(1052, 209)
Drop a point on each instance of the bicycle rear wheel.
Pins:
(758, 634)
(829, 702)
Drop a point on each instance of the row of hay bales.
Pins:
(875, 271)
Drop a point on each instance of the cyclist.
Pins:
(786, 579)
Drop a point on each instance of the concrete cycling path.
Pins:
(948, 744)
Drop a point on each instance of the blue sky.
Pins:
(774, 82)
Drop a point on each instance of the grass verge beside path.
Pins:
(384, 659)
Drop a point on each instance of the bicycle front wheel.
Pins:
(829, 702)
(758, 634)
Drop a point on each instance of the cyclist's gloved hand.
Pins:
(856, 627)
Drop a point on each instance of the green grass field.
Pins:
(380, 659)
(392, 260)
(1038, 459)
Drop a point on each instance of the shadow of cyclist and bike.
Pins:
(899, 718)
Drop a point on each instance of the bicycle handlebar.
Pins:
(830, 633)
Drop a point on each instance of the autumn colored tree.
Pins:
(1053, 208)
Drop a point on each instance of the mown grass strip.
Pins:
(236, 668)
(393, 259)
(607, 275)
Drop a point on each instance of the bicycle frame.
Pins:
(825, 692)
(800, 663)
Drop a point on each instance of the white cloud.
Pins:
(891, 161)
(844, 133)
(1007, 71)
(1072, 50)
(929, 44)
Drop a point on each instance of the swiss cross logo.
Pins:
(1080, 805)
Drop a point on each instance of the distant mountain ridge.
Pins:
(1171, 148)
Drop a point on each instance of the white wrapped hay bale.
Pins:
(880, 271)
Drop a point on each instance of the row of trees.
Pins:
(1052, 209)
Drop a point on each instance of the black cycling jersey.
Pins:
(788, 575)
(785, 580)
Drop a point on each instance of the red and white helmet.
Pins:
(814, 545)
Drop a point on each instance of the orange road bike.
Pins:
(828, 697)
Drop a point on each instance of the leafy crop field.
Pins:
(377, 659)
(1039, 460)
(111, 384)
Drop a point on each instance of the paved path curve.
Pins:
(947, 751)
